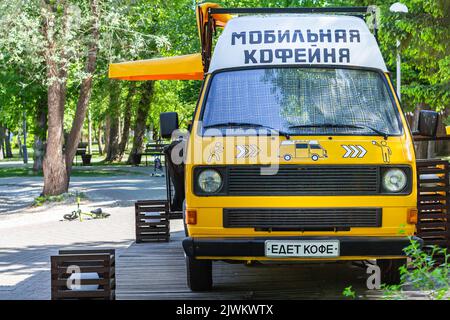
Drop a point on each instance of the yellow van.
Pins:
(298, 149)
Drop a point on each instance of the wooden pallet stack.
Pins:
(152, 221)
(83, 274)
(433, 202)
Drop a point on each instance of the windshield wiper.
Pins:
(247, 124)
(341, 125)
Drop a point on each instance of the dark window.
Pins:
(283, 98)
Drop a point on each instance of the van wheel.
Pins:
(389, 269)
(199, 274)
(287, 157)
(315, 157)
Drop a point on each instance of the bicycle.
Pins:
(94, 214)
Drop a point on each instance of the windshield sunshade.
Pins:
(302, 101)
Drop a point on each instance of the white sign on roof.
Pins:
(296, 39)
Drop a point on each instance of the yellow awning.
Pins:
(187, 67)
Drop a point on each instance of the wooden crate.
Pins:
(433, 202)
(101, 261)
(152, 221)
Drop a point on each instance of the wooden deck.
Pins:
(157, 271)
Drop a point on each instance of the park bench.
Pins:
(154, 150)
(81, 152)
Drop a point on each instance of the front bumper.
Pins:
(254, 247)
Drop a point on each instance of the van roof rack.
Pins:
(352, 10)
(210, 16)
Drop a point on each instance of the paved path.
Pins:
(19, 192)
(29, 236)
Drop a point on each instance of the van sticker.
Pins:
(297, 55)
(302, 149)
(307, 40)
(215, 152)
(247, 151)
(386, 151)
(354, 151)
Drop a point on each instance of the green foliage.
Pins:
(425, 35)
(349, 292)
(425, 274)
(69, 197)
(76, 172)
(447, 121)
(143, 29)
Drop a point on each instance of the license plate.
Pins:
(302, 248)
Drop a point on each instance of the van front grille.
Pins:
(303, 180)
(301, 218)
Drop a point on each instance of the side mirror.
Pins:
(168, 123)
(428, 123)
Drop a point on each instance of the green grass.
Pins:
(18, 172)
(41, 200)
(28, 172)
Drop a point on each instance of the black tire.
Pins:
(199, 274)
(389, 269)
(71, 216)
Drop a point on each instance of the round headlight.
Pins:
(209, 181)
(394, 180)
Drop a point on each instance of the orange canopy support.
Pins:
(220, 20)
(206, 24)
(187, 67)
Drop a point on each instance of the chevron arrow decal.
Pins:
(354, 151)
(247, 151)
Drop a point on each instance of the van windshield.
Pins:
(301, 101)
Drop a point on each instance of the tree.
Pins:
(56, 43)
(112, 152)
(40, 133)
(128, 111)
(57, 33)
(2, 142)
(142, 112)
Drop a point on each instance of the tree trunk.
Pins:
(107, 130)
(54, 165)
(8, 149)
(142, 113)
(19, 144)
(40, 134)
(89, 132)
(127, 120)
(2, 142)
(85, 90)
(99, 139)
(114, 118)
